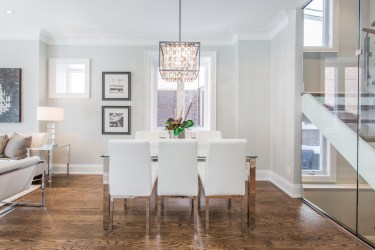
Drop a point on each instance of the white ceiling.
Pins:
(202, 20)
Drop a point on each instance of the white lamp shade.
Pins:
(50, 114)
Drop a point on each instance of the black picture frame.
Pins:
(116, 120)
(10, 87)
(116, 86)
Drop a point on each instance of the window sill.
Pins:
(321, 49)
(318, 178)
(350, 187)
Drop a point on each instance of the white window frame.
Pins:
(53, 64)
(331, 29)
(208, 58)
(327, 161)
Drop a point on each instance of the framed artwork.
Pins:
(116, 86)
(10, 95)
(116, 120)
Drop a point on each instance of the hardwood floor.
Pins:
(73, 220)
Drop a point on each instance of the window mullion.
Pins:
(180, 98)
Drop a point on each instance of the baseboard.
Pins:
(293, 190)
(89, 169)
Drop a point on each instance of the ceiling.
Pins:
(202, 20)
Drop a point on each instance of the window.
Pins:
(330, 85)
(351, 89)
(320, 21)
(69, 78)
(170, 99)
(317, 155)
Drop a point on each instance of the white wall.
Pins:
(24, 55)
(253, 98)
(285, 109)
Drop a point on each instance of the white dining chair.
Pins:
(223, 175)
(153, 137)
(202, 138)
(178, 173)
(130, 174)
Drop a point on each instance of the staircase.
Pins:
(340, 129)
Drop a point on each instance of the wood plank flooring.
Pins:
(73, 220)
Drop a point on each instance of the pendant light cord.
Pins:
(179, 28)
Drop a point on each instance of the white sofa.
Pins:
(16, 176)
(37, 139)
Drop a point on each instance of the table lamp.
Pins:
(50, 114)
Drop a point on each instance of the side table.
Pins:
(50, 149)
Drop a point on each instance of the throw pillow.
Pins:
(3, 142)
(16, 147)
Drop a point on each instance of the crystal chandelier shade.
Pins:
(179, 61)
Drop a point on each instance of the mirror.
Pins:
(69, 78)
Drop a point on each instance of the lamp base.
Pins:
(51, 133)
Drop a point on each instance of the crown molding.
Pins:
(230, 38)
(268, 33)
(278, 24)
(19, 36)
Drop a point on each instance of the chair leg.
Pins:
(156, 197)
(248, 203)
(199, 194)
(195, 201)
(125, 204)
(192, 205)
(243, 213)
(111, 209)
(159, 214)
(229, 204)
(162, 203)
(207, 215)
(148, 216)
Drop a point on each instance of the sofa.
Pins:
(37, 139)
(15, 177)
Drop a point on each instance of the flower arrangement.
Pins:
(177, 124)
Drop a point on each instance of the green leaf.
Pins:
(178, 131)
(188, 124)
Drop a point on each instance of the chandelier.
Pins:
(179, 61)
(4, 101)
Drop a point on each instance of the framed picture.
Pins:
(10, 95)
(116, 120)
(116, 86)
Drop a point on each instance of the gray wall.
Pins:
(24, 55)
(254, 58)
(285, 94)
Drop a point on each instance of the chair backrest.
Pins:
(153, 137)
(178, 168)
(129, 168)
(203, 137)
(225, 167)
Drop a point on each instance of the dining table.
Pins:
(250, 190)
